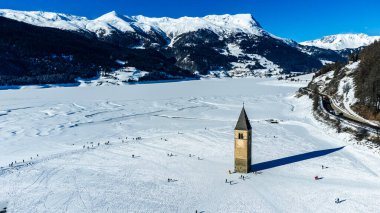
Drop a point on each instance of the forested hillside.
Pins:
(355, 85)
(40, 55)
(367, 81)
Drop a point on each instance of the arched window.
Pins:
(241, 136)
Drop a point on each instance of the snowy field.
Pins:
(184, 118)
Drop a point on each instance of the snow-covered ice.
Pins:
(182, 118)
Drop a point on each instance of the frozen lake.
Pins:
(182, 118)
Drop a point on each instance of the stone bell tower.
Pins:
(243, 140)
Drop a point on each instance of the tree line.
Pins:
(367, 80)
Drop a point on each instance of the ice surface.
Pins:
(191, 117)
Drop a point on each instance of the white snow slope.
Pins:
(342, 41)
(193, 117)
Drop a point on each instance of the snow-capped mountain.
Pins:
(220, 24)
(235, 45)
(342, 41)
(47, 19)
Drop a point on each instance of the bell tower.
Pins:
(243, 141)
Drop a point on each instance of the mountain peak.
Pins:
(46, 19)
(342, 41)
(243, 20)
(111, 21)
(104, 25)
(113, 15)
(219, 24)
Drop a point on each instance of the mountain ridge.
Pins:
(112, 20)
(342, 41)
(235, 45)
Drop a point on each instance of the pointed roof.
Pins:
(243, 122)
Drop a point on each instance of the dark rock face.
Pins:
(289, 58)
(200, 51)
(347, 52)
(322, 54)
(329, 55)
(204, 50)
(135, 39)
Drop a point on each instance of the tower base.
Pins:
(242, 166)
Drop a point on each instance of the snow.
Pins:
(242, 69)
(342, 41)
(115, 21)
(121, 62)
(346, 87)
(306, 77)
(195, 117)
(3, 205)
(116, 78)
(220, 24)
(108, 22)
(325, 79)
(234, 49)
(270, 67)
(348, 95)
(352, 67)
(46, 19)
(119, 77)
(172, 27)
(324, 62)
(236, 23)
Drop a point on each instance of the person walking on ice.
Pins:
(337, 200)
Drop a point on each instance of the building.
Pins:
(243, 142)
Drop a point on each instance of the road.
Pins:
(329, 106)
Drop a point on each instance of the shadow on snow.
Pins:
(292, 159)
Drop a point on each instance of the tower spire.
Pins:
(243, 122)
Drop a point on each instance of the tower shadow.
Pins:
(292, 159)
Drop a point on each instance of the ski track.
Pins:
(67, 178)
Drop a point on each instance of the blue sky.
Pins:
(296, 19)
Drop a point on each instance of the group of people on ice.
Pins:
(337, 200)
(14, 163)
